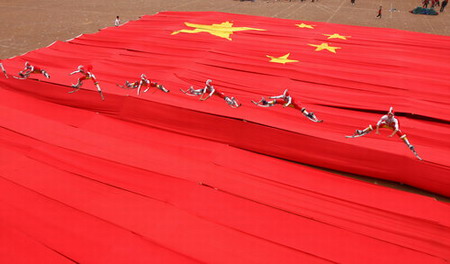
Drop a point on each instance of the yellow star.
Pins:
(283, 59)
(336, 36)
(223, 30)
(305, 26)
(324, 46)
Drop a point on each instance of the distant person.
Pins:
(425, 3)
(433, 3)
(353, 2)
(117, 22)
(443, 5)
(379, 12)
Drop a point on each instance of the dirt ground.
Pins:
(28, 24)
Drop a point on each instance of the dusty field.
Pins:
(29, 25)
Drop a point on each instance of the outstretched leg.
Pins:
(310, 115)
(232, 102)
(260, 102)
(77, 86)
(285, 93)
(264, 103)
(162, 88)
(405, 139)
(365, 131)
(45, 74)
(411, 147)
(188, 91)
(192, 92)
(99, 90)
(24, 75)
(360, 133)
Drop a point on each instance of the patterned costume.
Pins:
(86, 75)
(210, 91)
(286, 100)
(29, 69)
(390, 122)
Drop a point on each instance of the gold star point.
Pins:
(336, 36)
(302, 25)
(324, 46)
(283, 59)
(223, 30)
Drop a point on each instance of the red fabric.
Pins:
(166, 178)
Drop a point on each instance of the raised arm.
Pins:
(211, 89)
(396, 128)
(141, 82)
(288, 100)
(382, 119)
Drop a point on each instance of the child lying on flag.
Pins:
(87, 75)
(29, 69)
(286, 100)
(209, 91)
(143, 82)
(387, 121)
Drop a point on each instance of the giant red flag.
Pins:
(165, 177)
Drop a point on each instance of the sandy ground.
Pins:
(28, 25)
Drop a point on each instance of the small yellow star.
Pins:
(223, 30)
(336, 36)
(283, 59)
(324, 46)
(305, 26)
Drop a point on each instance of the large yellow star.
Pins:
(336, 36)
(305, 26)
(223, 30)
(324, 46)
(283, 59)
